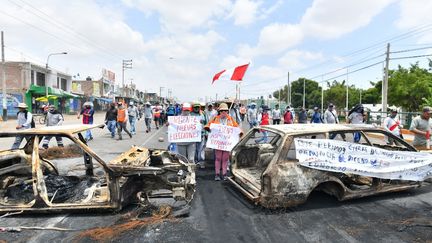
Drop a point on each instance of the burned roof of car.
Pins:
(317, 127)
(55, 130)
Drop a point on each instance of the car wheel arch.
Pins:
(331, 187)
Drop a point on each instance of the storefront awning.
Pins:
(104, 99)
(41, 90)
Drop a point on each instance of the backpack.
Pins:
(32, 123)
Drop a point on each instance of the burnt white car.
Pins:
(269, 173)
(75, 178)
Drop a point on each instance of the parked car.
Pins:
(269, 173)
(73, 177)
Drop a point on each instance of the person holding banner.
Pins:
(392, 125)
(222, 157)
(187, 149)
(199, 146)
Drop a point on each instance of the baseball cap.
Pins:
(427, 109)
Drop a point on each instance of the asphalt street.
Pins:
(221, 214)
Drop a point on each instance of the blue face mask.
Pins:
(253, 107)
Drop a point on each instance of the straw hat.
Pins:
(22, 105)
(223, 107)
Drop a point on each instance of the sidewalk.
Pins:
(10, 124)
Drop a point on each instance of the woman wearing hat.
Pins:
(222, 157)
(25, 121)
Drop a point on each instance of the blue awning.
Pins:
(104, 99)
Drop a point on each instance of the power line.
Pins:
(408, 50)
(65, 28)
(417, 56)
(354, 71)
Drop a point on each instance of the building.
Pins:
(29, 83)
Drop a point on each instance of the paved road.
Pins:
(220, 214)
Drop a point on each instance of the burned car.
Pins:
(269, 172)
(73, 177)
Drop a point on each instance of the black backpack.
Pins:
(32, 124)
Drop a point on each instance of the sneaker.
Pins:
(147, 131)
(225, 177)
(130, 135)
(157, 128)
(217, 178)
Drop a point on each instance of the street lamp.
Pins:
(46, 74)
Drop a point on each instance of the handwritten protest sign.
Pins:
(223, 137)
(184, 129)
(345, 157)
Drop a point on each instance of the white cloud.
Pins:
(297, 59)
(276, 38)
(330, 19)
(180, 16)
(244, 12)
(414, 15)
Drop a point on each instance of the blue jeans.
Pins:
(112, 125)
(264, 138)
(253, 124)
(18, 140)
(132, 121)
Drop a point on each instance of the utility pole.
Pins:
(304, 92)
(127, 64)
(347, 89)
(3, 79)
(288, 92)
(160, 93)
(385, 81)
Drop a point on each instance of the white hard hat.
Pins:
(131, 103)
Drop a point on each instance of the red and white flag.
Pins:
(235, 74)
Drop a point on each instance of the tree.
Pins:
(373, 95)
(408, 87)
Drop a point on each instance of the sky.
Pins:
(179, 45)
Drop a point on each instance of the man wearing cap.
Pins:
(252, 115)
(392, 125)
(87, 113)
(25, 121)
(330, 116)
(133, 114)
(276, 115)
(421, 127)
(53, 118)
(302, 116)
(210, 112)
(148, 116)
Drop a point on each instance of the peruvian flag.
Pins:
(235, 74)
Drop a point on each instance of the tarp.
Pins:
(345, 157)
(104, 100)
(41, 90)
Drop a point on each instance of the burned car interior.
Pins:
(69, 175)
(269, 173)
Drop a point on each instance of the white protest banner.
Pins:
(345, 157)
(184, 129)
(223, 137)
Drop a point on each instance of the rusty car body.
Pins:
(269, 173)
(75, 178)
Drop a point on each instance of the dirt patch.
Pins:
(70, 151)
(106, 234)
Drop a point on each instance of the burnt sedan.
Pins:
(71, 176)
(268, 172)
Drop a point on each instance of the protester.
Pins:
(187, 149)
(252, 115)
(53, 118)
(421, 127)
(222, 157)
(157, 115)
(392, 125)
(148, 116)
(171, 110)
(25, 121)
(235, 113)
(111, 119)
(356, 116)
(316, 116)
(210, 112)
(132, 115)
(265, 120)
(288, 116)
(87, 113)
(242, 112)
(276, 115)
(122, 119)
(199, 146)
(178, 109)
(303, 115)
